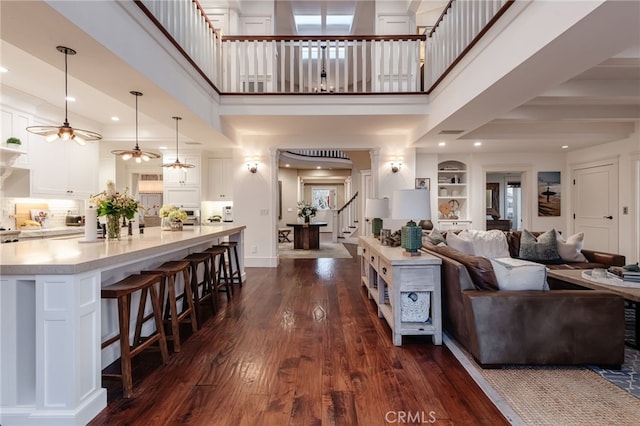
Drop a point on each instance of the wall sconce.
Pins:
(395, 166)
(252, 165)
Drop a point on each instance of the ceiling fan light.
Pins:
(126, 156)
(145, 157)
(138, 160)
(79, 140)
(64, 132)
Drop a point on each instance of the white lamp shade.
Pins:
(410, 204)
(376, 208)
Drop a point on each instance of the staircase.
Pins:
(346, 222)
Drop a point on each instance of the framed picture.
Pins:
(549, 193)
(423, 183)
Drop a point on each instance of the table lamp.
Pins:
(411, 204)
(375, 209)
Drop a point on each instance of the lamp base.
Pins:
(411, 239)
(376, 226)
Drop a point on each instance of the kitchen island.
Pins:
(53, 319)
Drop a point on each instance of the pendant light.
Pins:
(65, 132)
(136, 152)
(177, 164)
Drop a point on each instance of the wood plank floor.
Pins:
(300, 345)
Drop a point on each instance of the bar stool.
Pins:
(122, 291)
(205, 259)
(218, 252)
(169, 272)
(229, 245)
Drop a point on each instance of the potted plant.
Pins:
(14, 141)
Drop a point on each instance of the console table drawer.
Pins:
(385, 271)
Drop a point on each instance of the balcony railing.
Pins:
(321, 64)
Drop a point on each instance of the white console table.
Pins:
(406, 289)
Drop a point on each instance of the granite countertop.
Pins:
(72, 256)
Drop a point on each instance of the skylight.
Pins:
(340, 20)
(303, 21)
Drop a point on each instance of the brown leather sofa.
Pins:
(556, 327)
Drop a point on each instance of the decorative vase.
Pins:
(113, 227)
(306, 219)
(176, 226)
(165, 224)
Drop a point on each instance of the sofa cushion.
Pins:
(518, 274)
(461, 242)
(570, 250)
(490, 244)
(434, 237)
(479, 268)
(543, 249)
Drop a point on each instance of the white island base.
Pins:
(53, 319)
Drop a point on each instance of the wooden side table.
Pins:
(306, 236)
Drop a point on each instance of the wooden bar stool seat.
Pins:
(122, 291)
(170, 272)
(233, 273)
(199, 297)
(218, 254)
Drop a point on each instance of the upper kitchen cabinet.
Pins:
(182, 177)
(14, 125)
(182, 187)
(63, 169)
(220, 179)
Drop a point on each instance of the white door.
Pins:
(595, 201)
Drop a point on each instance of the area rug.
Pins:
(531, 395)
(327, 250)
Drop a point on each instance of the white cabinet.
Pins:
(182, 187)
(182, 177)
(220, 179)
(63, 169)
(182, 196)
(452, 194)
(14, 124)
(406, 290)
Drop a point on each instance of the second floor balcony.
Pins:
(402, 63)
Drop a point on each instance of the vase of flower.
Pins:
(307, 219)
(113, 227)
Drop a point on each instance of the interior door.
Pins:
(595, 202)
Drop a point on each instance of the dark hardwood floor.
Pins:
(300, 344)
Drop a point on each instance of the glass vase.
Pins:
(165, 224)
(176, 226)
(113, 227)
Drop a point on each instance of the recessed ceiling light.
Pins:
(287, 165)
(442, 143)
(3, 69)
(565, 146)
(114, 118)
(477, 143)
(70, 99)
(318, 167)
(162, 147)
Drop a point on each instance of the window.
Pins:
(322, 198)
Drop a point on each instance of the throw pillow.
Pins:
(479, 268)
(461, 242)
(517, 274)
(489, 244)
(434, 237)
(543, 249)
(570, 250)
